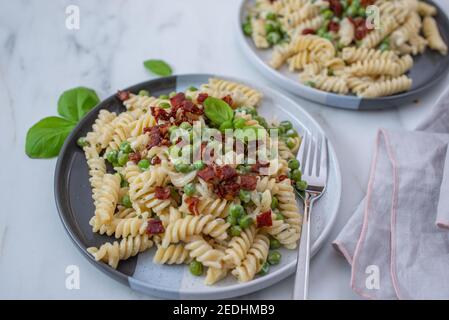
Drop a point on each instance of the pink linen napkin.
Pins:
(397, 241)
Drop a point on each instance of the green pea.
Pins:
(274, 244)
(111, 156)
(271, 16)
(310, 84)
(163, 97)
(301, 185)
(265, 269)
(291, 143)
(245, 196)
(164, 105)
(293, 164)
(245, 222)
(193, 88)
(242, 168)
(292, 133)
(273, 38)
(252, 111)
(196, 268)
(172, 94)
(352, 10)
(231, 220)
(327, 36)
(274, 257)
(185, 126)
(239, 123)
(247, 28)
(189, 189)
(183, 167)
(198, 165)
(126, 201)
(296, 175)
(144, 93)
(279, 216)
(144, 164)
(321, 31)
(269, 27)
(287, 125)
(262, 121)
(123, 182)
(122, 158)
(361, 12)
(235, 231)
(125, 146)
(82, 142)
(384, 47)
(281, 130)
(236, 211)
(274, 203)
(327, 14)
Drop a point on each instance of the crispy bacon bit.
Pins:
(227, 190)
(248, 182)
(366, 3)
(225, 172)
(228, 100)
(155, 160)
(158, 135)
(177, 99)
(160, 114)
(192, 203)
(134, 157)
(264, 219)
(307, 31)
(361, 29)
(333, 26)
(189, 106)
(162, 193)
(206, 174)
(202, 97)
(336, 7)
(256, 167)
(123, 95)
(282, 178)
(155, 227)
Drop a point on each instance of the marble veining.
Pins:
(40, 58)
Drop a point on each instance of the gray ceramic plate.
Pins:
(75, 205)
(428, 69)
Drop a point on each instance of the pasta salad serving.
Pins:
(363, 47)
(200, 176)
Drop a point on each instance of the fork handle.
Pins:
(300, 290)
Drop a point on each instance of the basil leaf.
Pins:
(159, 67)
(73, 104)
(217, 110)
(45, 138)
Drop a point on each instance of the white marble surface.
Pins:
(39, 58)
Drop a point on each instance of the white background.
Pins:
(40, 58)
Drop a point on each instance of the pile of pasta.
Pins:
(330, 44)
(147, 206)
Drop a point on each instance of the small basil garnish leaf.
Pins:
(45, 138)
(158, 67)
(73, 104)
(217, 110)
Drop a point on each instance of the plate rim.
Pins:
(330, 99)
(166, 292)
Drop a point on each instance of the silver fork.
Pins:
(313, 158)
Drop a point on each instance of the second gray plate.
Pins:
(429, 68)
